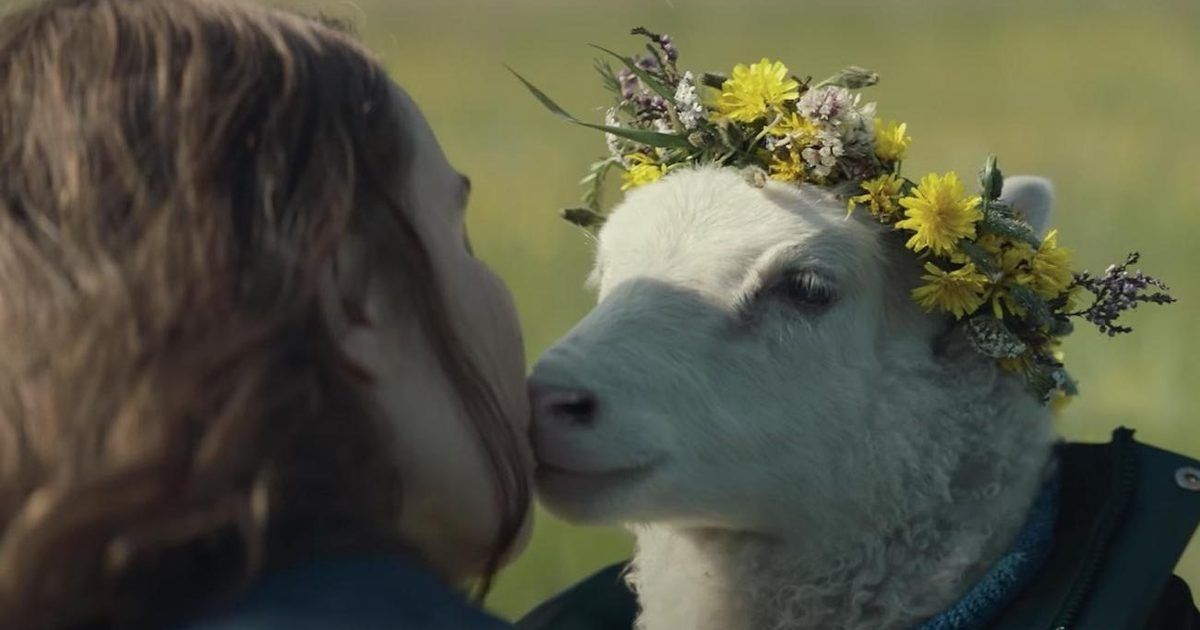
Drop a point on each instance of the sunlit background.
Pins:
(1101, 97)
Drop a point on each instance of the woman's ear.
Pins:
(342, 297)
(343, 287)
(1032, 197)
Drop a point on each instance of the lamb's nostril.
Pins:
(565, 405)
(581, 408)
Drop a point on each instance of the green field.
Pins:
(1102, 97)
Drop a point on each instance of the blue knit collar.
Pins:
(1010, 574)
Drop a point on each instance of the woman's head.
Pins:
(238, 319)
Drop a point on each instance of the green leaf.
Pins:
(983, 260)
(992, 338)
(583, 217)
(649, 138)
(596, 168)
(1038, 312)
(651, 82)
(607, 76)
(1041, 382)
(731, 136)
(998, 206)
(1061, 327)
(1015, 229)
(852, 77)
(991, 180)
(594, 182)
(713, 80)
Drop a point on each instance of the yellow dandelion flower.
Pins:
(1014, 260)
(1011, 259)
(1050, 267)
(642, 170)
(891, 143)
(788, 167)
(960, 292)
(751, 91)
(882, 196)
(1059, 401)
(993, 244)
(939, 214)
(795, 126)
(1002, 298)
(1056, 350)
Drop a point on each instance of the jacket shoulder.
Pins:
(1176, 610)
(1160, 520)
(1127, 511)
(366, 593)
(600, 602)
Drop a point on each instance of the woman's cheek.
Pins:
(506, 371)
(492, 317)
(512, 366)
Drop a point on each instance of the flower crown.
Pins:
(1013, 293)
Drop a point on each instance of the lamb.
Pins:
(793, 441)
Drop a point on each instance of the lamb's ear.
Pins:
(1032, 197)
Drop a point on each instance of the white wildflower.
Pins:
(822, 156)
(866, 112)
(1062, 380)
(825, 103)
(614, 143)
(858, 130)
(775, 142)
(687, 103)
(848, 129)
(662, 125)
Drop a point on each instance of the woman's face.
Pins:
(450, 510)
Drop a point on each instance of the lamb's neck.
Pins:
(706, 579)
(880, 576)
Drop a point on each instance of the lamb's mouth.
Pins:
(553, 478)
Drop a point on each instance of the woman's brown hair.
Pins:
(174, 412)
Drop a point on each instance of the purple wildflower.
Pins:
(649, 64)
(664, 42)
(630, 84)
(635, 91)
(651, 103)
(1119, 290)
(668, 47)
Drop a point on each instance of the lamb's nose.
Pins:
(561, 405)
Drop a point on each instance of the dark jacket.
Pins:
(353, 593)
(1126, 511)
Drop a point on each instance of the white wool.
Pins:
(783, 466)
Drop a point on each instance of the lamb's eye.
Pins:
(806, 288)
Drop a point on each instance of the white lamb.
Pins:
(794, 442)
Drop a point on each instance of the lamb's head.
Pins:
(755, 359)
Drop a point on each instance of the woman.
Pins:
(250, 374)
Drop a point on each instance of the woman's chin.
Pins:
(521, 541)
(460, 549)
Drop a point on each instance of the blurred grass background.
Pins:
(1102, 97)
